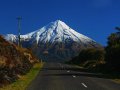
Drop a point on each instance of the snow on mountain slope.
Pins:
(10, 37)
(56, 31)
(61, 41)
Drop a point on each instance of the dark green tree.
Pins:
(89, 54)
(113, 50)
(117, 28)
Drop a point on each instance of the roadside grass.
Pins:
(116, 78)
(24, 81)
(117, 81)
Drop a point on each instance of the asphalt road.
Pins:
(57, 76)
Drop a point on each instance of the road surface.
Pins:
(57, 76)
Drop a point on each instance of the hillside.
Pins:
(54, 42)
(14, 61)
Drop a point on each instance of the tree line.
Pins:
(109, 56)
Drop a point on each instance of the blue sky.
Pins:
(93, 18)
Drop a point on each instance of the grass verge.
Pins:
(24, 81)
(117, 81)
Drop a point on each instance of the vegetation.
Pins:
(14, 62)
(107, 60)
(113, 51)
(89, 57)
(24, 80)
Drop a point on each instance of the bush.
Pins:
(89, 55)
(113, 51)
(14, 61)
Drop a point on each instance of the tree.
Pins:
(89, 55)
(113, 50)
(117, 28)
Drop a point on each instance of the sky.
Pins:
(93, 18)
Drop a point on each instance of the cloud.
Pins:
(102, 3)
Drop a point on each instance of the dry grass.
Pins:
(25, 80)
(117, 80)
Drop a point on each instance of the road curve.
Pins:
(57, 76)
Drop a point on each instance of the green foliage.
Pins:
(114, 40)
(24, 80)
(117, 28)
(113, 50)
(14, 61)
(89, 55)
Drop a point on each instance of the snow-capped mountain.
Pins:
(57, 39)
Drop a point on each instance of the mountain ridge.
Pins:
(54, 37)
(56, 24)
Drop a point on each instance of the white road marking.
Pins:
(84, 85)
(68, 71)
(74, 76)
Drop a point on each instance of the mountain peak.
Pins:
(58, 21)
(60, 24)
(61, 41)
(56, 31)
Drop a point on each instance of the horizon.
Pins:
(95, 19)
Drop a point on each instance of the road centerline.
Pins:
(84, 85)
(68, 71)
(73, 76)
